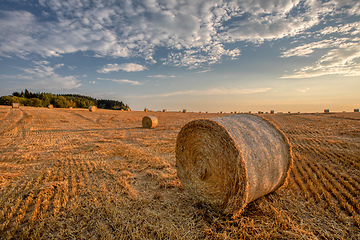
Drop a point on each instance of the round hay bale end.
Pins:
(150, 122)
(92, 108)
(230, 161)
(50, 106)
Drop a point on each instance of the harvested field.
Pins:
(101, 175)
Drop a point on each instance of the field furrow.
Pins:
(75, 174)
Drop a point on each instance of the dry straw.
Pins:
(92, 108)
(150, 122)
(230, 161)
(50, 106)
(15, 105)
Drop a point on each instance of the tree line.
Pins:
(27, 98)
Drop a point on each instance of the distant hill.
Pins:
(26, 98)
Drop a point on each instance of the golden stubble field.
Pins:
(75, 174)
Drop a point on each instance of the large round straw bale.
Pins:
(92, 108)
(150, 122)
(230, 161)
(50, 106)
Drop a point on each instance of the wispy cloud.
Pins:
(343, 60)
(123, 81)
(304, 90)
(204, 71)
(214, 91)
(161, 76)
(341, 57)
(42, 75)
(127, 67)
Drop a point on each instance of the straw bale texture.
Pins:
(150, 122)
(230, 161)
(15, 105)
(92, 108)
(184, 111)
(164, 110)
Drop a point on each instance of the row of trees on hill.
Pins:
(27, 98)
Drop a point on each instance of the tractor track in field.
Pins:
(79, 174)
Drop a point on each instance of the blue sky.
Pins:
(199, 55)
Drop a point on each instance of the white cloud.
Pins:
(204, 71)
(195, 32)
(214, 91)
(161, 76)
(127, 67)
(341, 57)
(42, 75)
(304, 90)
(126, 81)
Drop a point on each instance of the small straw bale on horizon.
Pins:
(15, 105)
(92, 108)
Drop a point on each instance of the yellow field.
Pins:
(77, 174)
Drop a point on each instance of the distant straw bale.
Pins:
(184, 111)
(15, 105)
(150, 122)
(50, 106)
(164, 110)
(92, 108)
(356, 110)
(230, 161)
(146, 110)
(326, 110)
(128, 109)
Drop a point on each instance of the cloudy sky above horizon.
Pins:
(201, 55)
